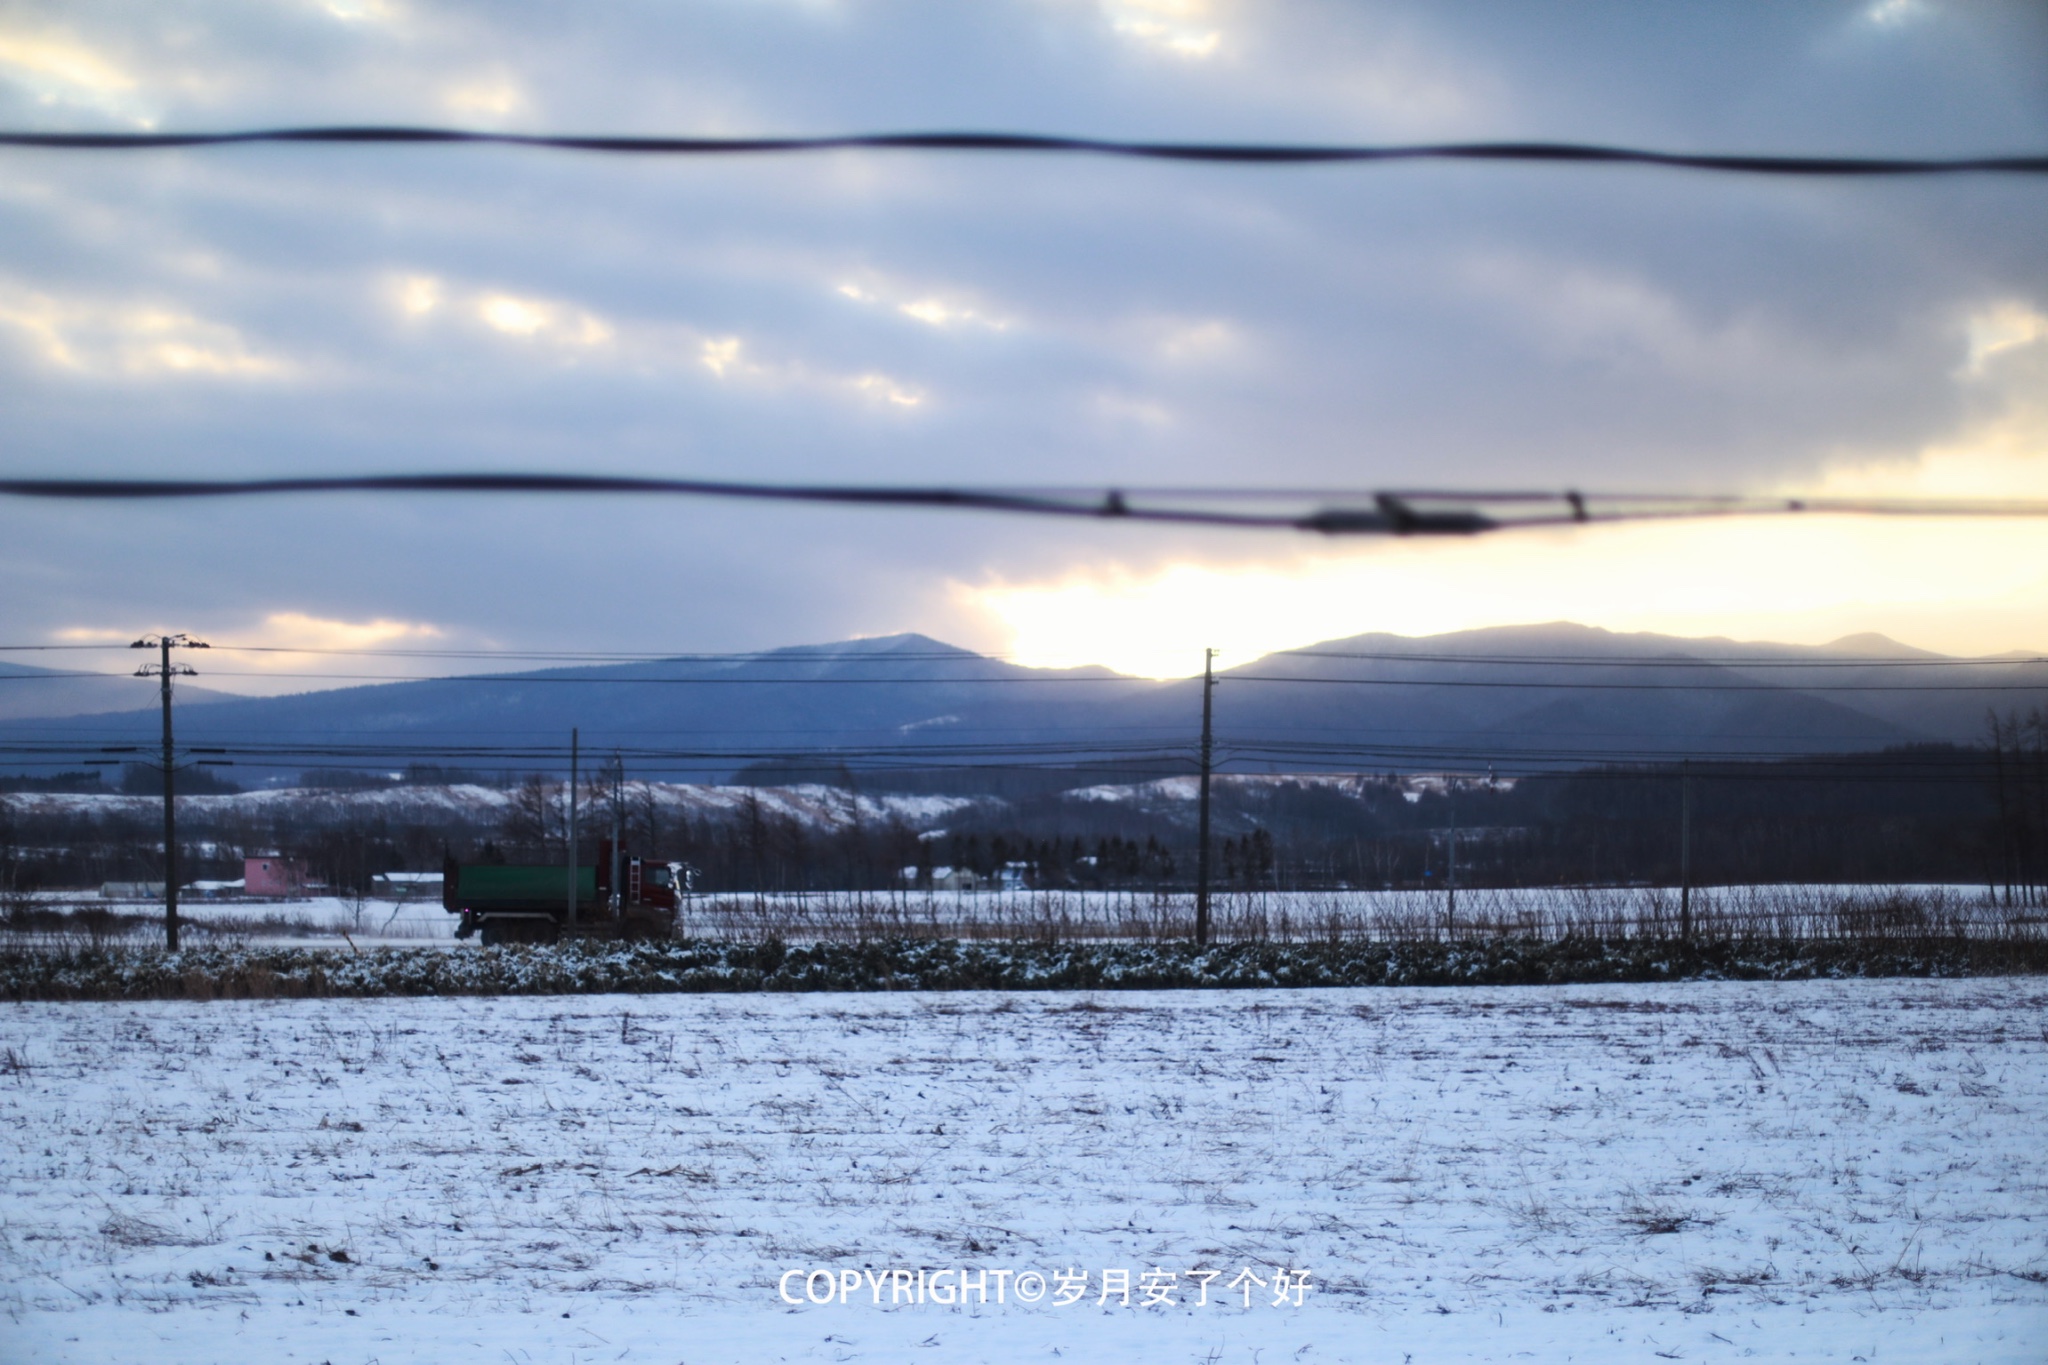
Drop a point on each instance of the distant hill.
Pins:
(1557, 694)
(1509, 687)
(48, 693)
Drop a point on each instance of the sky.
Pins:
(883, 317)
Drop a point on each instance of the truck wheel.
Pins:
(491, 935)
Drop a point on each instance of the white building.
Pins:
(406, 886)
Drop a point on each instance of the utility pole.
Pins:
(1451, 878)
(1202, 820)
(1685, 848)
(165, 670)
(571, 840)
(618, 897)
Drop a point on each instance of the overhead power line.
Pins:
(1069, 748)
(1786, 689)
(551, 679)
(1385, 512)
(559, 679)
(1229, 153)
(800, 655)
(1659, 661)
(1117, 763)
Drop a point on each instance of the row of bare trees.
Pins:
(1933, 814)
(2019, 753)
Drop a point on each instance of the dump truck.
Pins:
(529, 902)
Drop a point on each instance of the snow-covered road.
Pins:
(1814, 1170)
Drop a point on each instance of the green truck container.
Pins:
(524, 887)
(529, 902)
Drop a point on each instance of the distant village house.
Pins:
(406, 886)
(275, 877)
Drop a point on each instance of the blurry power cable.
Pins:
(1384, 512)
(1231, 153)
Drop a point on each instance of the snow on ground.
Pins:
(409, 923)
(1712, 1171)
(1187, 789)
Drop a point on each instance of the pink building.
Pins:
(273, 876)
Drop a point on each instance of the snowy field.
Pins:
(1713, 1171)
(413, 923)
(403, 924)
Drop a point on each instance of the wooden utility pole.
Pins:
(170, 805)
(571, 839)
(1451, 877)
(1685, 848)
(164, 670)
(618, 898)
(1202, 818)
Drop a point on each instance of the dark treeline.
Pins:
(2019, 840)
(1936, 813)
(137, 779)
(68, 846)
(1005, 783)
(754, 845)
(1909, 815)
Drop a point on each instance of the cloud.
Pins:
(418, 295)
(491, 97)
(285, 631)
(540, 320)
(2004, 327)
(133, 340)
(573, 334)
(888, 390)
(294, 651)
(1179, 28)
(287, 651)
(1582, 310)
(422, 299)
(1133, 409)
(60, 72)
(2003, 456)
(721, 354)
(359, 11)
(1964, 586)
(942, 309)
(1197, 341)
(731, 361)
(1897, 14)
(300, 630)
(953, 319)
